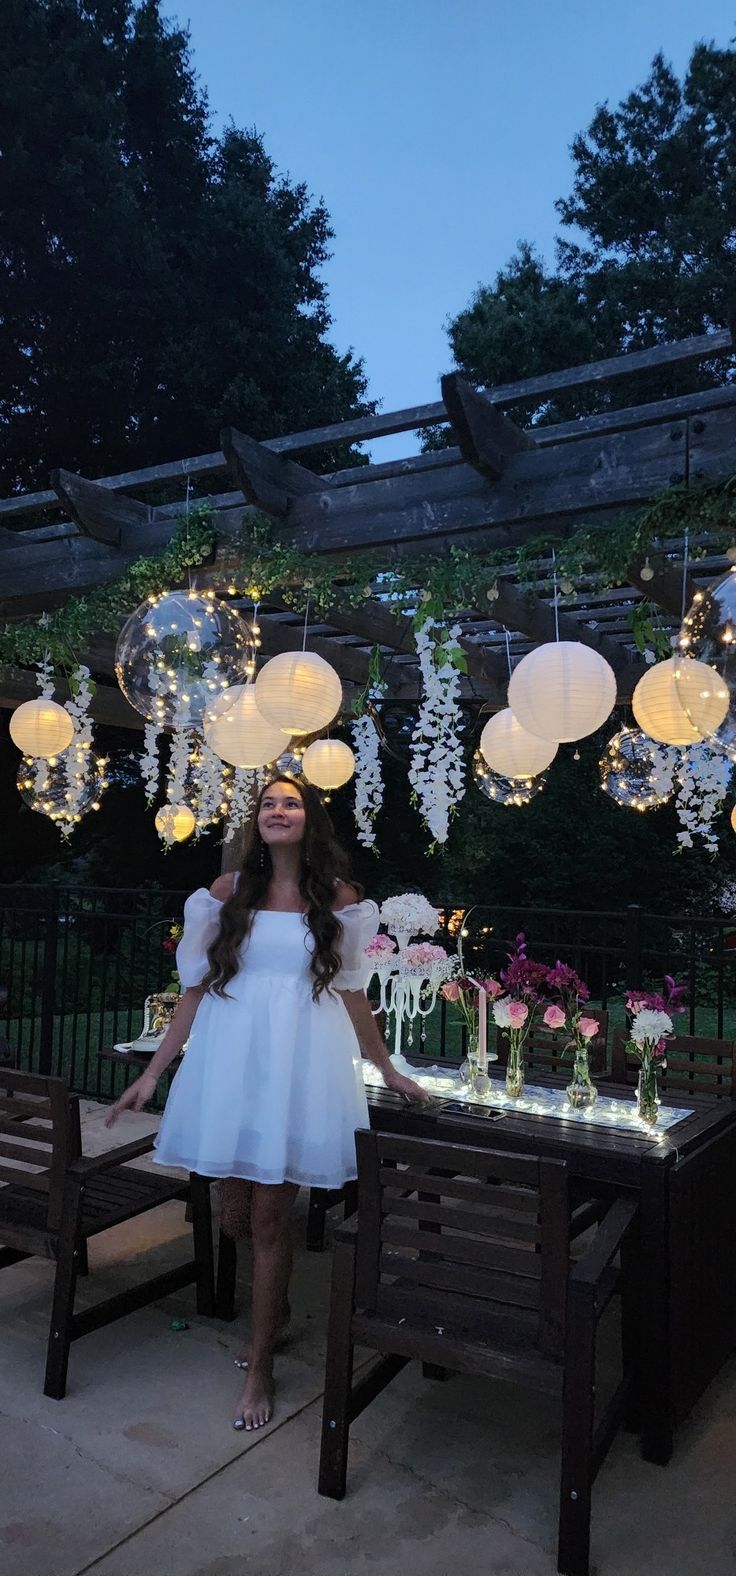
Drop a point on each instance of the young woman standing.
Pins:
(270, 1091)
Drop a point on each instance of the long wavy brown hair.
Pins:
(323, 864)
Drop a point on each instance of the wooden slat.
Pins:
(27, 1153)
(459, 1158)
(519, 1290)
(20, 1109)
(463, 1250)
(38, 1181)
(481, 1222)
(461, 1187)
(25, 1128)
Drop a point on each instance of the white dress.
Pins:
(270, 1087)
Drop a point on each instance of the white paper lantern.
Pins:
(240, 734)
(328, 763)
(562, 691)
(510, 750)
(657, 702)
(40, 727)
(175, 822)
(298, 692)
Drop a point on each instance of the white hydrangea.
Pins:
(649, 1026)
(409, 914)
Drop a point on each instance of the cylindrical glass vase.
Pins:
(581, 1091)
(515, 1066)
(647, 1094)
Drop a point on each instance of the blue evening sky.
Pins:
(437, 132)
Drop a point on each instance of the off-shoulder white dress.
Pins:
(270, 1087)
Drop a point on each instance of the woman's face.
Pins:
(282, 817)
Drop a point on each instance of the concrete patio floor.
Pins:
(138, 1470)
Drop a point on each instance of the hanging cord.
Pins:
(306, 620)
(508, 650)
(255, 631)
(186, 527)
(684, 575)
(556, 595)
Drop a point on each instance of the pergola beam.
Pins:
(267, 480)
(103, 515)
(486, 437)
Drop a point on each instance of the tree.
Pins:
(654, 195)
(155, 281)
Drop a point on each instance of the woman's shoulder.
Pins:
(223, 887)
(348, 901)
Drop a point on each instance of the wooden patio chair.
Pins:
(54, 1199)
(473, 1273)
(544, 1051)
(694, 1065)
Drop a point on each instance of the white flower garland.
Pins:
(207, 777)
(702, 776)
(149, 762)
(246, 783)
(78, 757)
(368, 775)
(437, 767)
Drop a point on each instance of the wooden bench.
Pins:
(472, 1272)
(693, 1065)
(54, 1199)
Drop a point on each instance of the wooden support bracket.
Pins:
(101, 514)
(267, 480)
(485, 436)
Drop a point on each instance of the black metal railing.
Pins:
(77, 964)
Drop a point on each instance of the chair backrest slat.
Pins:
(491, 1229)
(40, 1166)
(694, 1065)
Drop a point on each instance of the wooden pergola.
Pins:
(499, 487)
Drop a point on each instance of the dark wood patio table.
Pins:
(685, 1179)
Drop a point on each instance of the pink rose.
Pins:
(451, 991)
(588, 1027)
(492, 988)
(518, 1014)
(554, 1018)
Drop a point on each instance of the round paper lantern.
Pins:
(504, 790)
(510, 750)
(177, 652)
(657, 702)
(241, 734)
(562, 691)
(733, 819)
(175, 822)
(636, 772)
(44, 786)
(298, 692)
(328, 763)
(40, 727)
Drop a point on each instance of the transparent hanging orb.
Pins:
(709, 635)
(44, 785)
(289, 764)
(636, 772)
(505, 790)
(176, 654)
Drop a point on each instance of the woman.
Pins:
(270, 1090)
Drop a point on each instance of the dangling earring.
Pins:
(262, 856)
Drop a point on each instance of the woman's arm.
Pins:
(373, 1047)
(142, 1090)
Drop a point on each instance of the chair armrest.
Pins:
(89, 1166)
(348, 1231)
(590, 1269)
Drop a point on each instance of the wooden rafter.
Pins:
(267, 480)
(487, 439)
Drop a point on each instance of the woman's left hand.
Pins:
(398, 1084)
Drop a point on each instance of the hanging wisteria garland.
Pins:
(149, 761)
(367, 751)
(702, 777)
(78, 757)
(437, 763)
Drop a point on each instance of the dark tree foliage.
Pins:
(155, 281)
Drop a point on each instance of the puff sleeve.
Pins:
(359, 925)
(201, 923)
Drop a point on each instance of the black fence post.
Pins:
(633, 946)
(48, 983)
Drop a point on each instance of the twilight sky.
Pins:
(437, 132)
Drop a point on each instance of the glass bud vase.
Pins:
(647, 1098)
(469, 1066)
(581, 1091)
(515, 1067)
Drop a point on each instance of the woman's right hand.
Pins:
(134, 1098)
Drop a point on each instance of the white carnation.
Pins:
(651, 1026)
(502, 1014)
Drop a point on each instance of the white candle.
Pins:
(482, 1026)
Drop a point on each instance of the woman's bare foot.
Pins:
(256, 1403)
